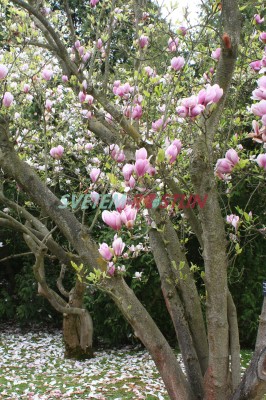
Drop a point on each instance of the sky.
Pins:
(179, 6)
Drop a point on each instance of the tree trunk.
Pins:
(77, 333)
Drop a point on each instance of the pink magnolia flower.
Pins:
(263, 37)
(258, 19)
(132, 182)
(171, 153)
(137, 112)
(82, 97)
(216, 54)
(182, 111)
(177, 63)
(223, 166)
(233, 220)
(3, 71)
(112, 219)
(258, 134)
(260, 93)
(256, 65)
(172, 44)
(48, 105)
(89, 99)
(177, 143)
(105, 252)
(128, 216)
(64, 78)
(149, 71)
(94, 174)
(86, 56)
(127, 171)
(95, 197)
(26, 88)
(47, 74)
(81, 50)
(118, 246)
(77, 44)
(93, 3)
(117, 154)
(141, 167)
(8, 99)
(88, 146)
(156, 125)
(259, 109)
(99, 44)
(57, 152)
(141, 154)
(111, 269)
(232, 156)
(120, 201)
(143, 41)
(261, 160)
(212, 94)
(182, 30)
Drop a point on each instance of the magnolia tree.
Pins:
(110, 118)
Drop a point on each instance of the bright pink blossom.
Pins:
(212, 94)
(3, 71)
(105, 252)
(141, 167)
(256, 65)
(143, 41)
(258, 19)
(112, 219)
(182, 30)
(261, 160)
(177, 63)
(223, 166)
(8, 99)
(232, 156)
(93, 3)
(57, 152)
(171, 153)
(137, 112)
(94, 174)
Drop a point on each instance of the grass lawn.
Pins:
(32, 367)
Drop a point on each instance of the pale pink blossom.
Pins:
(95, 197)
(263, 37)
(120, 201)
(3, 71)
(99, 44)
(171, 153)
(111, 269)
(94, 174)
(172, 44)
(48, 105)
(223, 166)
(93, 3)
(127, 171)
(261, 160)
(112, 219)
(105, 252)
(233, 220)
(57, 152)
(86, 56)
(47, 74)
(77, 44)
(259, 109)
(128, 216)
(89, 99)
(88, 146)
(117, 154)
(8, 99)
(118, 246)
(177, 63)
(82, 97)
(26, 88)
(64, 78)
(216, 54)
(141, 154)
(149, 71)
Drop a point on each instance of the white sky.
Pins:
(179, 6)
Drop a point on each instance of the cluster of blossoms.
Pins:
(225, 165)
(259, 109)
(233, 220)
(195, 105)
(112, 252)
(84, 55)
(259, 65)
